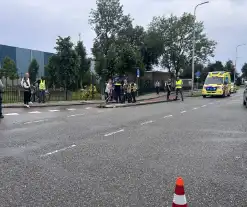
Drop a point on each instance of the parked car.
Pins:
(245, 97)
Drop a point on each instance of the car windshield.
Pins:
(214, 80)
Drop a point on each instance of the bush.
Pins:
(86, 94)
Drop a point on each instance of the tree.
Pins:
(51, 70)
(9, 69)
(84, 63)
(177, 36)
(244, 70)
(229, 66)
(67, 63)
(115, 48)
(33, 70)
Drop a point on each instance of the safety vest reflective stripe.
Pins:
(42, 85)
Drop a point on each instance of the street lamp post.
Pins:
(235, 65)
(194, 43)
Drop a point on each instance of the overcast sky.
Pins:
(35, 24)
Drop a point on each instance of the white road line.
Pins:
(37, 121)
(203, 106)
(55, 110)
(88, 108)
(59, 150)
(73, 115)
(167, 116)
(71, 109)
(100, 111)
(195, 108)
(183, 112)
(211, 103)
(11, 114)
(121, 130)
(34, 112)
(147, 122)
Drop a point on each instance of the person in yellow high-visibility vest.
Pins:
(42, 89)
(179, 86)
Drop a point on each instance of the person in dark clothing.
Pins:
(168, 88)
(1, 99)
(117, 90)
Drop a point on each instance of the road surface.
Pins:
(85, 156)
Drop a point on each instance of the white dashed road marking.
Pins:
(37, 121)
(211, 103)
(71, 109)
(195, 108)
(183, 112)
(88, 108)
(147, 122)
(55, 110)
(34, 112)
(11, 114)
(167, 116)
(73, 115)
(204, 106)
(59, 150)
(121, 130)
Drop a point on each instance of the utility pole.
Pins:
(235, 65)
(194, 43)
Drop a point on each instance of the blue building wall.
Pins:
(23, 57)
(7, 51)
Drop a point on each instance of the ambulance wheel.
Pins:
(204, 96)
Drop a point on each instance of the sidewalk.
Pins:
(71, 103)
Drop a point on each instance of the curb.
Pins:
(133, 104)
(50, 105)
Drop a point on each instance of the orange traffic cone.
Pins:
(179, 199)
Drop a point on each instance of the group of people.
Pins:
(168, 88)
(121, 91)
(37, 89)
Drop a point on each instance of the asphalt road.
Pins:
(84, 156)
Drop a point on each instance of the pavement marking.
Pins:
(12, 114)
(55, 110)
(100, 111)
(211, 103)
(34, 112)
(121, 130)
(71, 109)
(183, 112)
(73, 115)
(203, 106)
(147, 122)
(37, 121)
(195, 108)
(59, 150)
(167, 116)
(88, 108)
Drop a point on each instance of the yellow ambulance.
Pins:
(217, 83)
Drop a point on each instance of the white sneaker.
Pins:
(28, 106)
(30, 102)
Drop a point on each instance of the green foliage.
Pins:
(84, 64)
(33, 70)
(176, 34)
(9, 69)
(64, 66)
(244, 70)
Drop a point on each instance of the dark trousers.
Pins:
(1, 102)
(118, 96)
(133, 95)
(168, 94)
(27, 97)
(157, 90)
(179, 90)
(42, 96)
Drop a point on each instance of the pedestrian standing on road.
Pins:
(157, 87)
(1, 99)
(179, 86)
(25, 83)
(42, 88)
(168, 89)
